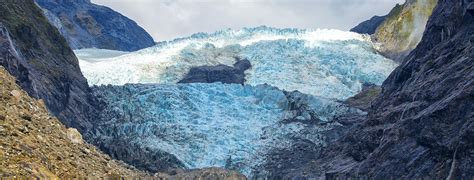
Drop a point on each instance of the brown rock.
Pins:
(15, 93)
(74, 136)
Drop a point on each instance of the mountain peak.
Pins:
(87, 25)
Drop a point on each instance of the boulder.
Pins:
(74, 136)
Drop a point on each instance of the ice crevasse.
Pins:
(205, 125)
(328, 63)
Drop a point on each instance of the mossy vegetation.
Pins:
(403, 28)
(364, 99)
(33, 35)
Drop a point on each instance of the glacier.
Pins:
(204, 125)
(293, 92)
(322, 62)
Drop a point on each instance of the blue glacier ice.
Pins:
(203, 125)
(329, 63)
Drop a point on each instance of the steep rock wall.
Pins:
(36, 54)
(87, 25)
(421, 125)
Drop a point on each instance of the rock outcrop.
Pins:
(364, 99)
(208, 174)
(36, 54)
(403, 28)
(87, 25)
(36, 145)
(421, 125)
(369, 26)
(219, 73)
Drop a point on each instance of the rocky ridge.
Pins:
(219, 73)
(35, 144)
(421, 123)
(40, 59)
(369, 26)
(403, 28)
(87, 25)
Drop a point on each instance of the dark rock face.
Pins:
(87, 25)
(142, 158)
(364, 99)
(421, 125)
(106, 136)
(369, 26)
(470, 9)
(35, 53)
(219, 73)
(303, 150)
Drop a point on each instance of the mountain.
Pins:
(399, 32)
(369, 26)
(40, 59)
(87, 25)
(403, 28)
(35, 144)
(421, 124)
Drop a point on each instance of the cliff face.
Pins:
(35, 144)
(421, 125)
(403, 28)
(369, 26)
(425, 111)
(36, 54)
(87, 25)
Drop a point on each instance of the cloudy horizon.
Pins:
(170, 19)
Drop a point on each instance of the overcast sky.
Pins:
(169, 19)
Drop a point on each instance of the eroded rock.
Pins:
(219, 73)
(74, 136)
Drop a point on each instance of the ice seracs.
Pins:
(329, 63)
(230, 125)
(204, 125)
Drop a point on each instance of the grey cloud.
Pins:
(169, 19)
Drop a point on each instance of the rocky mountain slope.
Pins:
(44, 66)
(403, 28)
(87, 25)
(35, 144)
(369, 26)
(421, 125)
(36, 54)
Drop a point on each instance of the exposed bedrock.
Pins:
(219, 73)
(88, 25)
(39, 58)
(421, 125)
(403, 28)
(141, 157)
(369, 26)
